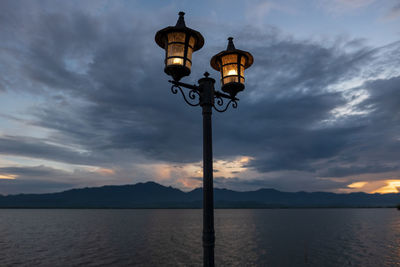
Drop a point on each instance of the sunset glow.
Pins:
(357, 185)
(104, 171)
(373, 186)
(8, 176)
(392, 186)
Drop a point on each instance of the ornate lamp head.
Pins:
(179, 43)
(231, 63)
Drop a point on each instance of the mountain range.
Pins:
(154, 195)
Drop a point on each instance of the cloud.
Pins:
(36, 179)
(104, 101)
(257, 12)
(356, 170)
(394, 12)
(37, 171)
(36, 148)
(344, 6)
(118, 115)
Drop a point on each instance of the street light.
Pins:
(231, 63)
(179, 43)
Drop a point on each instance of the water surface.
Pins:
(263, 237)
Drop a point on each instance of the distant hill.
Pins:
(153, 195)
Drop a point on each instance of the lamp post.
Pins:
(179, 43)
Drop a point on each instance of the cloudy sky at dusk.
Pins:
(84, 100)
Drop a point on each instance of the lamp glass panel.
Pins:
(189, 57)
(229, 70)
(175, 61)
(230, 58)
(243, 60)
(232, 79)
(175, 50)
(241, 70)
(191, 41)
(189, 53)
(176, 37)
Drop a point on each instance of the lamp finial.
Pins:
(181, 20)
(231, 46)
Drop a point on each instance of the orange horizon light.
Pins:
(392, 186)
(7, 176)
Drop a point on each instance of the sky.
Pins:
(84, 100)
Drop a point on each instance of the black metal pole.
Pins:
(207, 100)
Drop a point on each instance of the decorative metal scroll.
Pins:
(194, 95)
(220, 103)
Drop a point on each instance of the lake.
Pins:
(244, 237)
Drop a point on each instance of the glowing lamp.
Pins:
(179, 43)
(231, 63)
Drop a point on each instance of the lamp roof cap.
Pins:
(230, 49)
(161, 35)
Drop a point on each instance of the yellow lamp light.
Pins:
(179, 43)
(231, 63)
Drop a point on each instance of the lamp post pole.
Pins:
(207, 101)
(179, 42)
(207, 97)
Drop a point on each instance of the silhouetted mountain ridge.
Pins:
(154, 195)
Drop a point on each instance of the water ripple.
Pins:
(298, 237)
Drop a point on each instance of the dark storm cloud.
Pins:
(107, 94)
(281, 122)
(36, 148)
(375, 149)
(354, 170)
(30, 171)
(384, 100)
(290, 66)
(298, 149)
(129, 109)
(124, 106)
(290, 126)
(284, 133)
